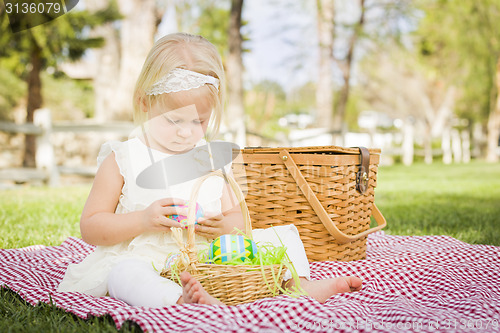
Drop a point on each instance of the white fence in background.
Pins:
(47, 170)
(455, 145)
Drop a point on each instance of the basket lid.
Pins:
(309, 149)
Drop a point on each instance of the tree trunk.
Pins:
(234, 70)
(341, 105)
(34, 101)
(107, 65)
(120, 60)
(444, 114)
(136, 39)
(324, 88)
(494, 123)
(478, 140)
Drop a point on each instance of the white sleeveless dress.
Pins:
(132, 157)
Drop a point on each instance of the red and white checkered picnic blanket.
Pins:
(412, 284)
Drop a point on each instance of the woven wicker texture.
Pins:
(237, 284)
(274, 197)
(231, 284)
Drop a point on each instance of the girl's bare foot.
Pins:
(193, 292)
(322, 290)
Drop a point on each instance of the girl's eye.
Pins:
(172, 121)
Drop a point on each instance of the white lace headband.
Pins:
(180, 79)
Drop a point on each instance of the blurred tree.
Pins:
(302, 98)
(43, 46)
(265, 104)
(234, 73)
(119, 62)
(342, 28)
(325, 10)
(129, 40)
(397, 83)
(345, 64)
(208, 18)
(463, 39)
(213, 24)
(12, 90)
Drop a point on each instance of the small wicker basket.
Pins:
(231, 284)
(326, 192)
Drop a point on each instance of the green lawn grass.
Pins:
(18, 316)
(40, 215)
(462, 201)
(459, 200)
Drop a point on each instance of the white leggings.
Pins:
(137, 283)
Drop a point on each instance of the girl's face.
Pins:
(179, 130)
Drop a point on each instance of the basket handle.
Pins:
(192, 205)
(341, 237)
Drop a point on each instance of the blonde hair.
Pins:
(181, 50)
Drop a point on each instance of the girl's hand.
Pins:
(210, 226)
(154, 218)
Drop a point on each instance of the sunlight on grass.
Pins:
(461, 200)
(40, 215)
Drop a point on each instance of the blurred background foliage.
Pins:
(409, 60)
(12, 91)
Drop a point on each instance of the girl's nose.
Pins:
(184, 131)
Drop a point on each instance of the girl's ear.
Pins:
(142, 102)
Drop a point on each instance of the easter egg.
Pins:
(182, 219)
(228, 247)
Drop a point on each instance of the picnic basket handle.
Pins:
(192, 207)
(318, 208)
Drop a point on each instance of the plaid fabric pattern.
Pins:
(410, 284)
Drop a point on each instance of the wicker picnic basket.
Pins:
(231, 284)
(326, 192)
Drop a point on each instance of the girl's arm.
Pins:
(99, 225)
